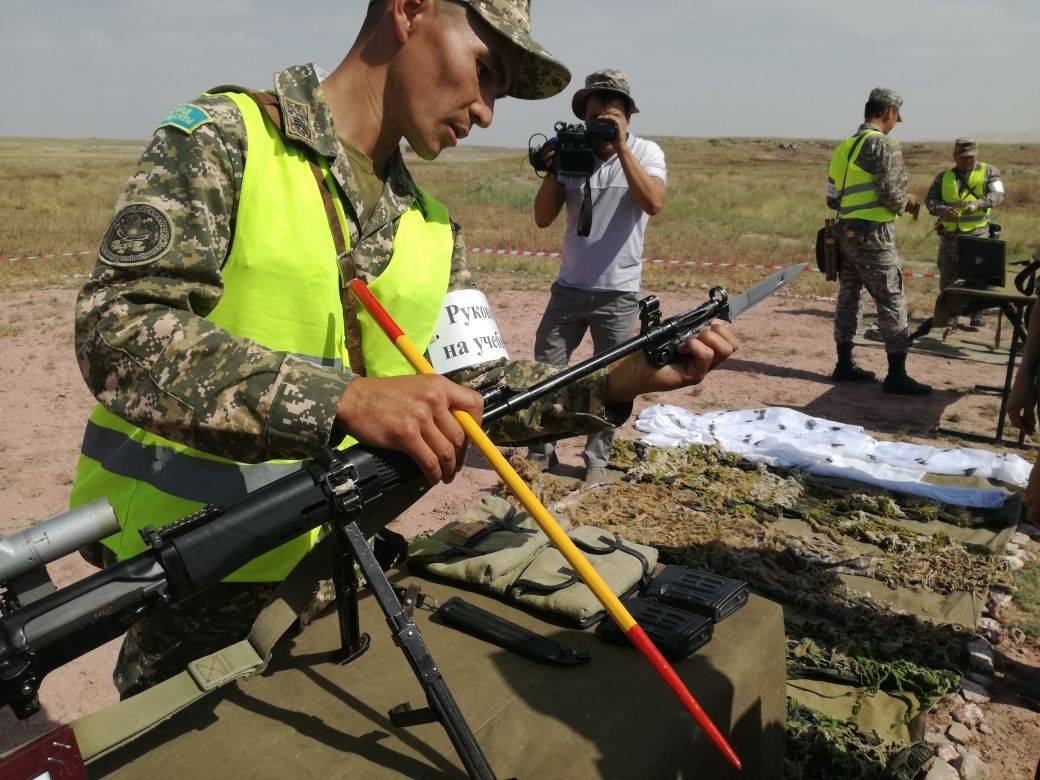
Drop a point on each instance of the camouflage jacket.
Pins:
(991, 196)
(881, 157)
(148, 354)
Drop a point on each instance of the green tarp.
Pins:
(612, 717)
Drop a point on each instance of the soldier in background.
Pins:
(867, 186)
(214, 332)
(963, 196)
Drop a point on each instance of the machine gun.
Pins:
(355, 492)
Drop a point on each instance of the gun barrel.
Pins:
(33, 547)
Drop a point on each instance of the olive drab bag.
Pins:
(500, 548)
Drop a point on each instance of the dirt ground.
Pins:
(786, 360)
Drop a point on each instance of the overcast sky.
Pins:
(113, 68)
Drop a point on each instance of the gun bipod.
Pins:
(350, 547)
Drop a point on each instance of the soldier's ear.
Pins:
(405, 15)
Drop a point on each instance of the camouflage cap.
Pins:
(541, 75)
(965, 147)
(607, 80)
(887, 97)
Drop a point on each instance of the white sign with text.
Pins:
(466, 334)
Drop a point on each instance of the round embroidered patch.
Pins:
(137, 235)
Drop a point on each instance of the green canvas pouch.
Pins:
(548, 582)
(486, 545)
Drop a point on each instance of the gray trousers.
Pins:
(611, 317)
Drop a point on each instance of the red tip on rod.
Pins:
(375, 308)
(637, 636)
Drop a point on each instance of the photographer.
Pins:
(597, 288)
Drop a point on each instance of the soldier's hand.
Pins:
(634, 376)
(411, 414)
(971, 208)
(913, 206)
(949, 212)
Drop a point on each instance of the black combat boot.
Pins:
(847, 371)
(897, 381)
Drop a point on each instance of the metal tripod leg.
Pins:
(442, 706)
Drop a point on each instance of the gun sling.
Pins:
(101, 732)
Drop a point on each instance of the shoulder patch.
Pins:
(139, 234)
(188, 118)
(297, 119)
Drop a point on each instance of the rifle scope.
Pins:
(33, 547)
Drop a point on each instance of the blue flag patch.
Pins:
(187, 117)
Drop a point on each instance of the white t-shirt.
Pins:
(609, 258)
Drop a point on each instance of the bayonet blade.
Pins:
(738, 304)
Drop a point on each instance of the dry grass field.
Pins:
(729, 199)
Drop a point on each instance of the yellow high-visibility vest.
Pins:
(953, 197)
(857, 196)
(282, 289)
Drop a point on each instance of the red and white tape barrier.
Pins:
(674, 263)
(48, 257)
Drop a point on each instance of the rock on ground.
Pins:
(969, 714)
(934, 739)
(980, 653)
(975, 693)
(941, 771)
(971, 767)
(959, 733)
(948, 753)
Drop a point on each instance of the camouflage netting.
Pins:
(800, 540)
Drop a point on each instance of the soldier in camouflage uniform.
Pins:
(151, 358)
(970, 200)
(867, 186)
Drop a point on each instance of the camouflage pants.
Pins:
(163, 643)
(869, 261)
(947, 260)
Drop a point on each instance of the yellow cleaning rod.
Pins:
(548, 524)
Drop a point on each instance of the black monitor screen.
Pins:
(980, 259)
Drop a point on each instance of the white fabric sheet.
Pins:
(784, 437)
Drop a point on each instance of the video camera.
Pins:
(574, 147)
(575, 157)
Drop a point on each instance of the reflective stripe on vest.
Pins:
(858, 197)
(953, 197)
(282, 289)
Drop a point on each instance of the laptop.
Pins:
(980, 261)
